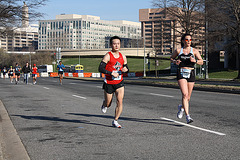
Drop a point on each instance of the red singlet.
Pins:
(34, 70)
(114, 65)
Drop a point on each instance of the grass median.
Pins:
(135, 64)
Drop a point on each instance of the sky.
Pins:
(105, 9)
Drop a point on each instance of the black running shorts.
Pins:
(17, 74)
(190, 79)
(111, 88)
(60, 72)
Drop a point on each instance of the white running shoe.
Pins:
(189, 119)
(115, 124)
(180, 111)
(104, 109)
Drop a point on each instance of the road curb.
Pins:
(11, 145)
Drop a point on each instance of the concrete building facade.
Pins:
(75, 32)
(21, 39)
(162, 31)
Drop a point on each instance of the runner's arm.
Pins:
(125, 68)
(103, 63)
(174, 55)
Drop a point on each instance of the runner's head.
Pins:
(34, 65)
(186, 40)
(115, 43)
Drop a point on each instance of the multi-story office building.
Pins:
(162, 30)
(73, 32)
(21, 39)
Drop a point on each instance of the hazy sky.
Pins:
(105, 9)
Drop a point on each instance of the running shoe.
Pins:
(189, 119)
(180, 111)
(115, 124)
(104, 109)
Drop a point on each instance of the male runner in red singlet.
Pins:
(34, 73)
(113, 65)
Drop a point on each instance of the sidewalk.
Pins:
(11, 147)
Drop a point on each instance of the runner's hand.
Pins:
(115, 74)
(177, 62)
(192, 59)
(124, 69)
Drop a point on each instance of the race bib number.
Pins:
(60, 69)
(186, 73)
(119, 77)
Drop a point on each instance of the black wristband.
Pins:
(125, 65)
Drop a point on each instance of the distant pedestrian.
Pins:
(60, 68)
(187, 57)
(10, 74)
(26, 70)
(113, 65)
(17, 70)
(34, 73)
(4, 72)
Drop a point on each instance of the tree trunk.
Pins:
(238, 52)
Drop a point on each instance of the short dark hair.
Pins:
(114, 37)
(183, 38)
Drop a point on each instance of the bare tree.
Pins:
(189, 13)
(11, 13)
(225, 14)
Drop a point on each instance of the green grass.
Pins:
(134, 64)
(89, 64)
(229, 74)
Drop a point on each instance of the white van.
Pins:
(45, 68)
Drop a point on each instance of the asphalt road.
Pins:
(64, 122)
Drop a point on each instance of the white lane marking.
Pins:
(162, 95)
(99, 86)
(72, 83)
(188, 125)
(79, 96)
(46, 88)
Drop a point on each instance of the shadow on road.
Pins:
(152, 121)
(46, 118)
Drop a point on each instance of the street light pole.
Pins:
(206, 43)
(144, 68)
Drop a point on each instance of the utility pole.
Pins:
(144, 59)
(206, 42)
